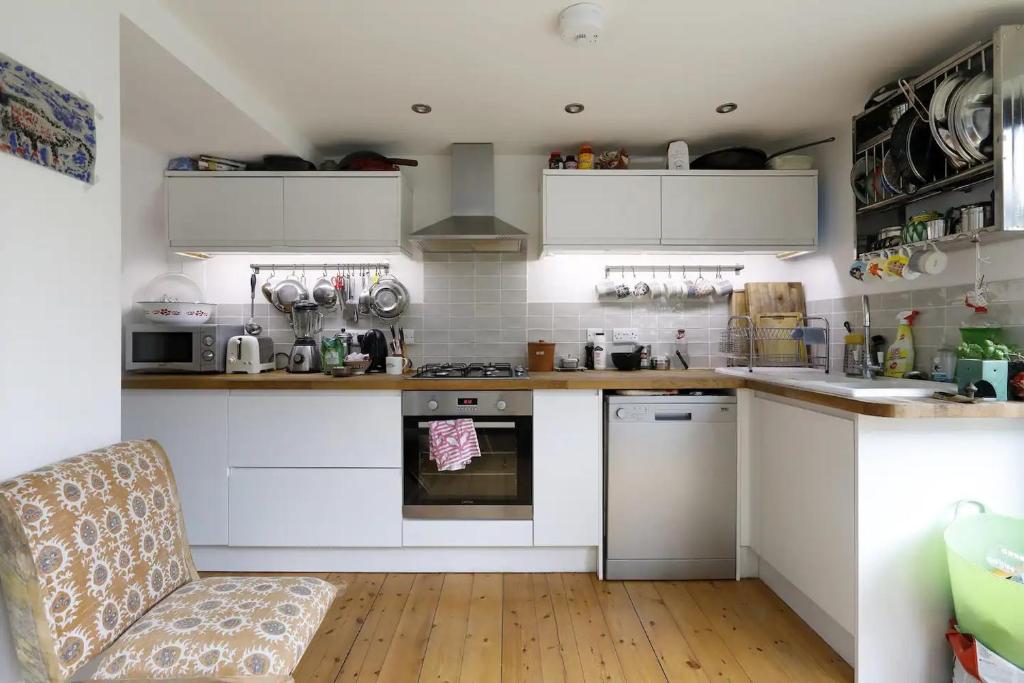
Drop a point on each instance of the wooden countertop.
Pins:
(590, 379)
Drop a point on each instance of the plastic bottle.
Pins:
(899, 359)
(599, 351)
(555, 160)
(570, 163)
(586, 157)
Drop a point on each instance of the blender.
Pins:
(307, 322)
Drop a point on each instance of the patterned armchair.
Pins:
(94, 562)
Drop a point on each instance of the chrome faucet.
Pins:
(868, 367)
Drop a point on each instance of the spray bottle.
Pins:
(899, 359)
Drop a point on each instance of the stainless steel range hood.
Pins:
(472, 227)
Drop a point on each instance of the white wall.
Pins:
(826, 272)
(60, 348)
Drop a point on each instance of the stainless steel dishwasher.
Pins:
(670, 478)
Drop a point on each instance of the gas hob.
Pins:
(470, 371)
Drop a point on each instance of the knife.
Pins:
(686, 366)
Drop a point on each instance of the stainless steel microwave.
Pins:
(150, 347)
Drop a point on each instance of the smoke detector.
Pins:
(582, 23)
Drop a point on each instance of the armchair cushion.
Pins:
(87, 546)
(223, 626)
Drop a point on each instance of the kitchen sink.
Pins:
(841, 385)
(880, 387)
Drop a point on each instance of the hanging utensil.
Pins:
(324, 293)
(252, 327)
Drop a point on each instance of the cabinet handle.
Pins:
(673, 417)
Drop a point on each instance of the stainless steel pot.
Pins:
(971, 218)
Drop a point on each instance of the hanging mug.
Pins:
(722, 286)
(876, 264)
(897, 262)
(858, 269)
(929, 261)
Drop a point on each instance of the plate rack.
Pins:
(745, 344)
(872, 133)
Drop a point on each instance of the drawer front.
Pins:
(315, 429)
(292, 507)
(478, 533)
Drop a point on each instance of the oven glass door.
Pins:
(496, 485)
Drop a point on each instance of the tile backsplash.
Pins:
(941, 310)
(475, 308)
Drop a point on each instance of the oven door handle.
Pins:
(478, 425)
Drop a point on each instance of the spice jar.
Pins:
(570, 162)
(586, 161)
(555, 160)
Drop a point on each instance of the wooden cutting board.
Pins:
(775, 297)
(780, 346)
(738, 302)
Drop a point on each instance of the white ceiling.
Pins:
(345, 72)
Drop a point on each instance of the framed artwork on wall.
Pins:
(45, 123)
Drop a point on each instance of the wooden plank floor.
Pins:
(477, 628)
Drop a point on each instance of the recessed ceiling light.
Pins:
(573, 108)
(727, 108)
(420, 108)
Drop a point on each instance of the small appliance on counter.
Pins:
(307, 322)
(374, 343)
(157, 347)
(249, 354)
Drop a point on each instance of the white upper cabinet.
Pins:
(652, 210)
(588, 210)
(754, 210)
(355, 212)
(225, 212)
(307, 211)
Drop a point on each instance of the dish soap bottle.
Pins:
(899, 359)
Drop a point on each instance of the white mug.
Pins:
(722, 286)
(659, 290)
(396, 365)
(703, 286)
(605, 287)
(929, 261)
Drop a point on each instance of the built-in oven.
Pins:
(496, 484)
(153, 347)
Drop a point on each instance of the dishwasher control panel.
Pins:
(674, 412)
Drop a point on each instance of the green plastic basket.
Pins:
(988, 607)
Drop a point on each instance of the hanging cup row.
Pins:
(631, 285)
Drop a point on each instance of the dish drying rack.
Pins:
(746, 344)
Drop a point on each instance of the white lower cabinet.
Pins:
(467, 533)
(568, 460)
(803, 469)
(315, 507)
(192, 426)
(316, 429)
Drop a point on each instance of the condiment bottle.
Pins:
(570, 162)
(586, 157)
(555, 160)
(599, 351)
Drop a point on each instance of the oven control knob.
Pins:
(501, 405)
(432, 404)
(207, 354)
(621, 413)
(207, 340)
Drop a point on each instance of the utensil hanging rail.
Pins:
(380, 266)
(676, 268)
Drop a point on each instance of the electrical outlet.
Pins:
(625, 334)
(410, 336)
(591, 331)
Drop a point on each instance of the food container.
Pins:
(541, 355)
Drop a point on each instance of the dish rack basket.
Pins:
(746, 344)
